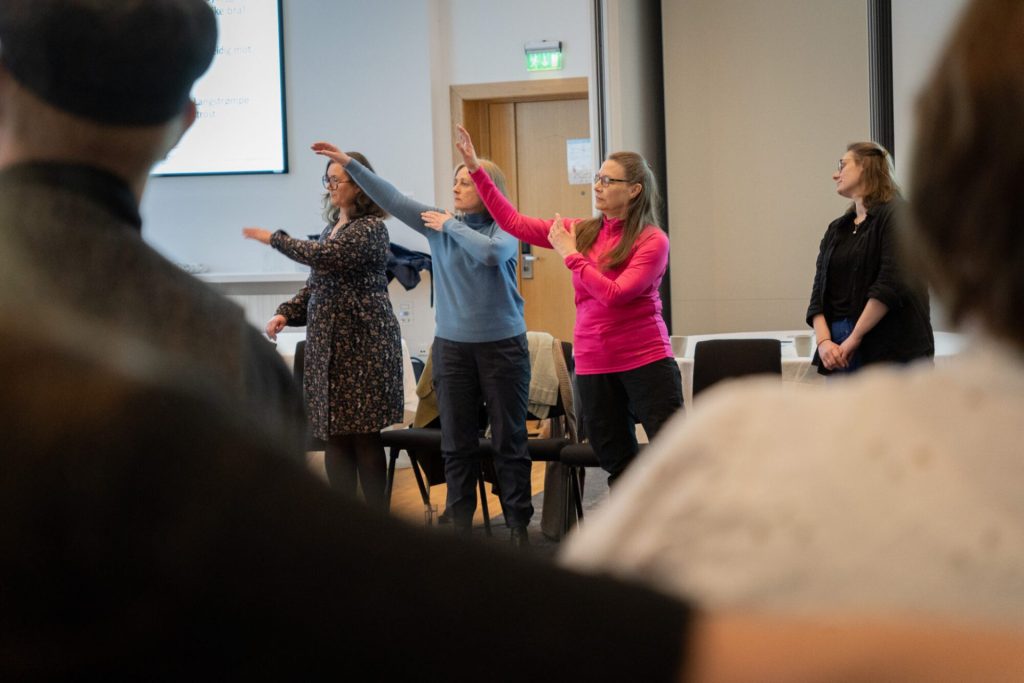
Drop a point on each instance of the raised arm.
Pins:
(532, 230)
(334, 254)
(644, 268)
(386, 195)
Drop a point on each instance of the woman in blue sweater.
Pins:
(480, 352)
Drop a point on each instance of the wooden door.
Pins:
(542, 180)
(528, 140)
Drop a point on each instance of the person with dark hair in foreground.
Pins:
(92, 94)
(899, 490)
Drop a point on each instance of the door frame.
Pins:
(469, 102)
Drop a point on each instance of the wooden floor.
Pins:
(407, 503)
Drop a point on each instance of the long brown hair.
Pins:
(966, 199)
(641, 211)
(363, 205)
(877, 175)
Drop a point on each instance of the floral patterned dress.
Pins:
(353, 360)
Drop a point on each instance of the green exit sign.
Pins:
(544, 55)
(543, 61)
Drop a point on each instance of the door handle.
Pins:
(527, 267)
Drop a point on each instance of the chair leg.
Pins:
(424, 491)
(483, 503)
(577, 492)
(568, 508)
(389, 482)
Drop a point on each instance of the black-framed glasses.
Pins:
(332, 183)
(842, 165)
(605, 181)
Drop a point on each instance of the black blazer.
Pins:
(905, 333)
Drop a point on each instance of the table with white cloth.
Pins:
(796, 366)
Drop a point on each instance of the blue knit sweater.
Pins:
(474, 266)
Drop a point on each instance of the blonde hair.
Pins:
(493, 170)
(877, 175)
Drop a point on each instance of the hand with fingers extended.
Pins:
(326, 149)
(464, 143)
(435, 220)
(258, 234)
(562, 238)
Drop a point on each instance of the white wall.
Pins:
(919, 29)
(633, 117)
(761, 99)
(372, 76)
(481, 41)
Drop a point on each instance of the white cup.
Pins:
(802, 344)
(678, 346)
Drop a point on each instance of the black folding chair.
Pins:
(715, 360)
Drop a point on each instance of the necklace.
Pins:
(856, 226)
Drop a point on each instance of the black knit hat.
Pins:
(122, 62)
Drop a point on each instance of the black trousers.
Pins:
(612, 403)
(497, 373)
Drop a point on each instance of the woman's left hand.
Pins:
(258, 234)
(435, 219)
(849, 347)
(563, 239)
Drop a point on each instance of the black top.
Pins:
(875, 272)
(842, 268)
(150, 534)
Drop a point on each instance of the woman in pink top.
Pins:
(624, 364)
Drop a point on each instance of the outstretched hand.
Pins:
(258, 234)
(464, 144)
(326, 149)
(563, 239)
(435, 219)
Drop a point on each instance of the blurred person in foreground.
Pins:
(899, 491)
(92, 94)
(167, 541)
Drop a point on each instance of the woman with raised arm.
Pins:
(480, 352)
(625, 370)
(352, 373)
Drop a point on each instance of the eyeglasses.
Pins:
(605, 181)
(332, 183)
(842, 165)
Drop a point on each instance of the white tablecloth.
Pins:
(796, 368)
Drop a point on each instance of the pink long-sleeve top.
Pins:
(618, 312)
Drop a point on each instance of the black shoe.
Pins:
(520, 537)
(444, 517)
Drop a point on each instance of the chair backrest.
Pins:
(417, 368)
(299, 362)
(718, 359)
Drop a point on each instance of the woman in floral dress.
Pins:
(353, 358)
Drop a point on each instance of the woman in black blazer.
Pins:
(864, 307)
